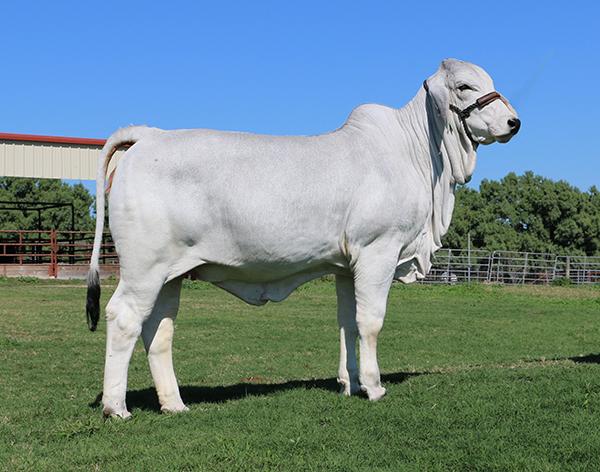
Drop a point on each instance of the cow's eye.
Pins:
(464, 87)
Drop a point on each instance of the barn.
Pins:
(49, 157)
(47, 252)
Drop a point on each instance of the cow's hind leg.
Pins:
(126, 311)
(346, 314)
(157, 333)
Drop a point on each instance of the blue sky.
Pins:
(87, 68)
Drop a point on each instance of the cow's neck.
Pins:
(442, 152)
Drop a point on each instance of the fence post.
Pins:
(554, 269)
(490, 263)
(469, 257)
(524, 269)
(497, 261)
(20, 248)
(53, 272)
(72, 247)
(448, 271)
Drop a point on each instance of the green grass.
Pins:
(478, 378)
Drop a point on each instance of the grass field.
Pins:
(478, 378)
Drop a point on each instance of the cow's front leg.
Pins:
(157, 333)
(372, 280)
(346, 314)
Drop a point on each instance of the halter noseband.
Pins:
(480, 103)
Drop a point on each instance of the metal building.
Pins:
(50, 157)
(51, 253)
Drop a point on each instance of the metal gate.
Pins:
(54, 254)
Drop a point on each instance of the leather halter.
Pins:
(480, 103)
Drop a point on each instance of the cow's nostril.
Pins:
(515, 125)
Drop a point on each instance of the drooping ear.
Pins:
(438, 94)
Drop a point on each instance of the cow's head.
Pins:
(466, 104)
(457, 86)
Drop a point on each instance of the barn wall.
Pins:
(50, 160)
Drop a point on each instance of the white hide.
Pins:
(259, 215)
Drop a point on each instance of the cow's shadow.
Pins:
(146, 399)
(587, 359)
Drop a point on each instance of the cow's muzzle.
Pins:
(515, 125)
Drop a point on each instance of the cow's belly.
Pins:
(257, 287)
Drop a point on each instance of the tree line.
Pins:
(16, 189)
(518, 213)
(527, 213)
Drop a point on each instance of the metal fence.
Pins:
(578, 269)
(459, 265)
(510, 267)
(52, 253)
(66, 254)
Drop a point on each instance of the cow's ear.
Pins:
(438, 95)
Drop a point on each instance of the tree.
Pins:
(45, 190)
(527, 213)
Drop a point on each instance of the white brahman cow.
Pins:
(260, 215)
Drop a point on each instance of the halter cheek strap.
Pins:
(480, 103)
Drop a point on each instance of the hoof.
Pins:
(374, 393)
(348, 388)
(115, 409)
(111, 413)
(174, 409)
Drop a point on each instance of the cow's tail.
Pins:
(123, 137)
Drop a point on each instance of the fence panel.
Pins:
(578, 269)
(58, 254)
(459, 265)
(510, 267)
